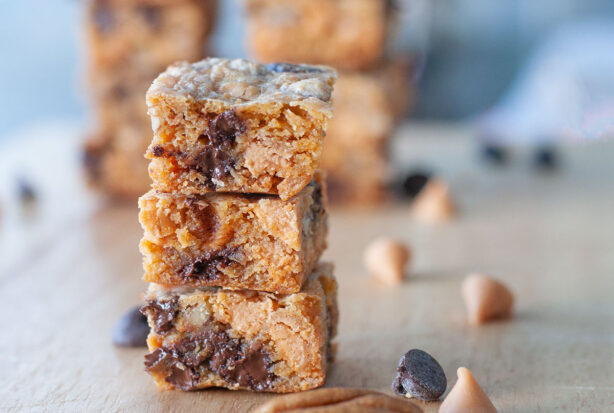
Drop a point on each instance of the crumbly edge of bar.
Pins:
(256, 358)
(255, 243)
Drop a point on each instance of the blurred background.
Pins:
(516, 72)
(474, 49)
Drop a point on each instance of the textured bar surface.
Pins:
(234, 241)
(242, 339)
(237, 126)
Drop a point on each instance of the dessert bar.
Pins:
(347, 34)
(236, 126)
(208, 337)
(235, 241)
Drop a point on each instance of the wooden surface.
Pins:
(69, 267)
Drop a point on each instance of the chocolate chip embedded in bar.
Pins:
(234, 241)
(236, 126)
(242, 339)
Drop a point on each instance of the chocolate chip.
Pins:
(151, 15)
(414, 182)
(163, 313)
(131, 329)
(419, 375)
(545, 158)
(215, 161)
(235, 360)
(157, 151)
(103, 17)
(25, 191)
(494, 154)
(292, 68)
(207, 266)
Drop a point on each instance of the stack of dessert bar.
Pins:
(371, 92)
(235, 225)
(129, 42)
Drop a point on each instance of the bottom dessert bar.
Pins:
(250, 340)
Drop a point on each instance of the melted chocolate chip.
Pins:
(235, 360)
(103, 17)
(207, 266)
(420, 376)
(157, 151)
(131, 330)
(216, 161)
(292, 68)
(163, 313)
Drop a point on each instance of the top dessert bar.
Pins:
(237, 126)
(347, 34)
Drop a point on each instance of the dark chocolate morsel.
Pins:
(419, 375)
(157, 151)
(163, 313)
(131, 329)
(215, 161)
(206, 267)
(414, 182)
(235, 360)
(292, 68)
(545, 158)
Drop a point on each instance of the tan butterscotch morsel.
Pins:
(486, 299)
(338, 400)
(466, 396)
(434, 203)
(386, 259)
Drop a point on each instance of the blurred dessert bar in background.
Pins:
(372, 92)
(128, 43)
(238, 126)
(347, 34)
(250, 340)
(367, 106)
(234, 240)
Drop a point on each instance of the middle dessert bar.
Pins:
(235, 241)
(236, 126)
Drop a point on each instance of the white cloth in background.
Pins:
(565, 92)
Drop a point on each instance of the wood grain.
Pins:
(70, 267)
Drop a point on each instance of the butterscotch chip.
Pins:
(486, 299)
(338, 400)
(434, 203)
(466, 396)
(386, 259)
